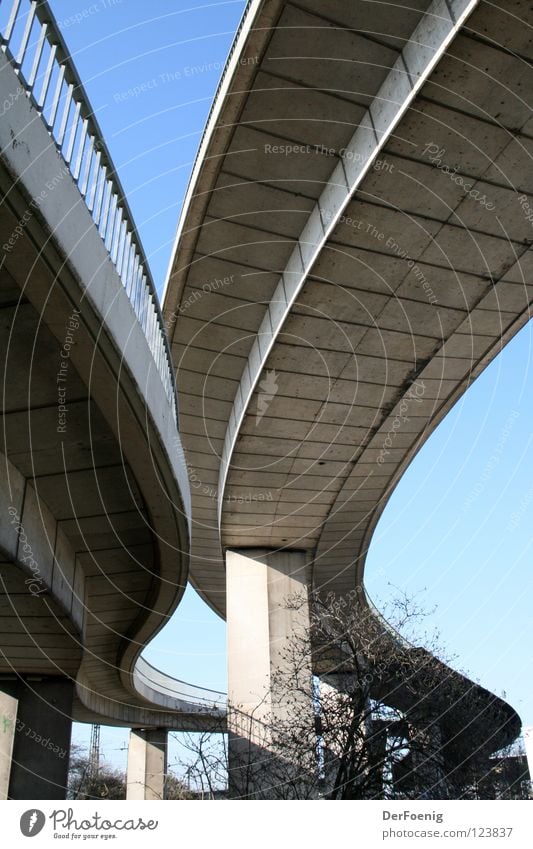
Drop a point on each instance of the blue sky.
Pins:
(459, 523)
(150, 70)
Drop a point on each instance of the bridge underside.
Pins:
(356, 248)
(93, 528)
(403, 295)
(354, 251)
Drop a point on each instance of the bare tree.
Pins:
(358, 712)
(110, 783)
(175, 788)
(368, 731)
(393, 719)
(107, 783)
(505, 775)
(202, 763)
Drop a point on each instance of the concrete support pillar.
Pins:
(332, 692)
(354, 742)
(263, 631)
(377, 755)
(37, 716)
(8, 716)
(147, 764)
(427, 763)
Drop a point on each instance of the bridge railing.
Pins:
(198, 698)
(215, 104)
(34, 46)
(398, 638)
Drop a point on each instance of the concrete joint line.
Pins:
(346, 180)
(322, 224)
(439, 11)
(286, 299)
(371, 118)
(408, 72)
(299, 246)
(450, 10)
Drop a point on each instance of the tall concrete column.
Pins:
(262, 632)
(377, 755)
(40, 711)
(352, 738)
(147, 764)
(8, 716)
(427, 761)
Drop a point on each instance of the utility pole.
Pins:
(94, 756)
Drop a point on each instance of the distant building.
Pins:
(527, 734)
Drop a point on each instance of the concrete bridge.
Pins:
(354, 249)
(352, 253)
(95, 504)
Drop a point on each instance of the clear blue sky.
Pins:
(459, 523)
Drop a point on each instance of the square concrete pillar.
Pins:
(427, 763)
(262, 622)
(40, 746)
(147, 764)
(8, 717)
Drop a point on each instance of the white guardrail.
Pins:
(176, 694)
(34, 46)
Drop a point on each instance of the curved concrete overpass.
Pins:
(95, 504)
(320, 308)
(353, 251)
